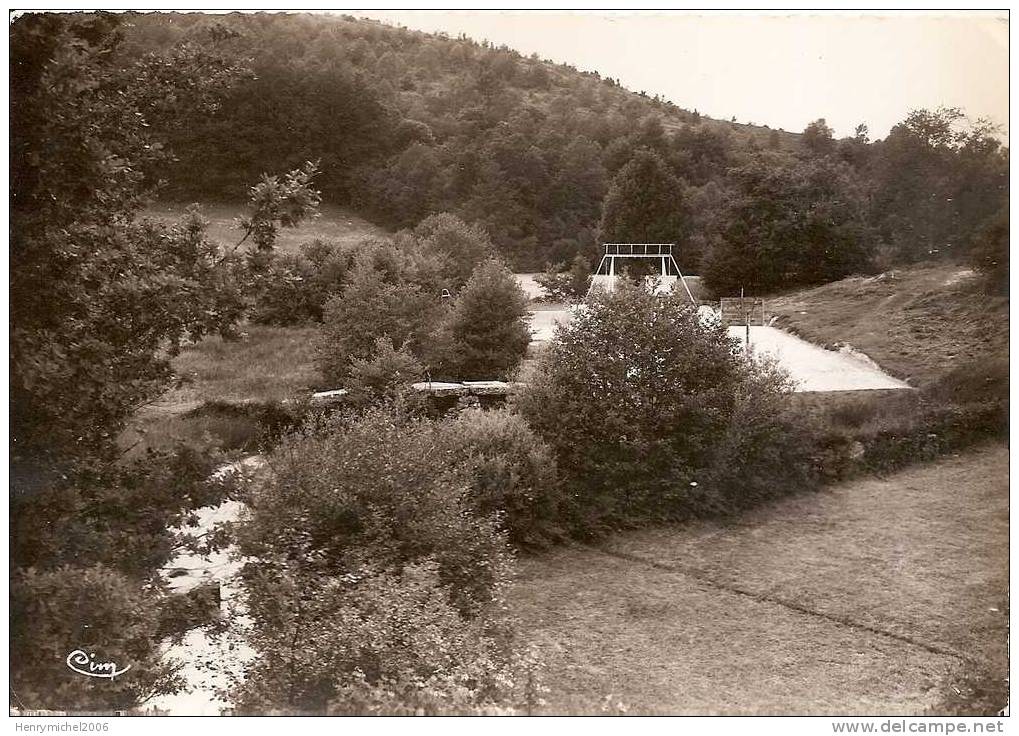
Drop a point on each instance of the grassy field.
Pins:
(266, 364)
(916, 323)
(872, 597)
(335, 223)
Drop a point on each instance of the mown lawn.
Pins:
(877, 596)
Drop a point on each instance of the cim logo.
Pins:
(85, 663)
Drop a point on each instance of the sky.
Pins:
(778, 69)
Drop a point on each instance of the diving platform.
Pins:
(663, 282)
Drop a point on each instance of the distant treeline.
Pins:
(407, 124)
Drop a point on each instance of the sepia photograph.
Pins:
(509, 363)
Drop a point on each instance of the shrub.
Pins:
(415, 506)
(512, 474)
(964, 407)
(653, 415)
(385, 376)
(555, 283)
(389, 644)
(488, 325)
(975, 381)
(562, 285)
(935, 432)
(373, 306)
(764, 451)
(294, 288)
(366, 588)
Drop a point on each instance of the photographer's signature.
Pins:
(85, 664)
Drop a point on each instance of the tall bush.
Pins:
(374, 304)
(488, 325)
(653, 415)
(566, 285)
(512, 474)
(378, 594)
(385, 376)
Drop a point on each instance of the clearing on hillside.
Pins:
(335, 223)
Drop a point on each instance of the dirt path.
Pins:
(814, 368)
(865, 598)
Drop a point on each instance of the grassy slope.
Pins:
(267, 363)
(336, 223)
(922, 555)
(916, 323)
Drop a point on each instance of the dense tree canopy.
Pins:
(644, 204)
(936, 179)
(407, 125)
(789, 222)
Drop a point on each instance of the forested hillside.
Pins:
(378, 549)
(407, 124)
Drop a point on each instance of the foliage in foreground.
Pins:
(512, 475)
(87, 548)
(653, 415)
(99, 611)
(100, 301)
(375, 596)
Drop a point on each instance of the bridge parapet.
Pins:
(437, 389)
